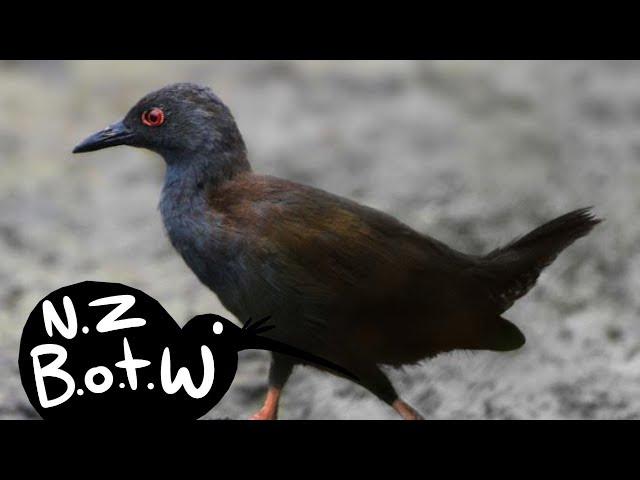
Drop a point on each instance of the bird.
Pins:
(338, 279)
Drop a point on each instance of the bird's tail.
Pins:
(514, 269)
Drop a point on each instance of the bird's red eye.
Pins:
(153, 117)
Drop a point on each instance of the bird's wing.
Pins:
(329, 259)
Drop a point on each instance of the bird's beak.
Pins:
(116, 134)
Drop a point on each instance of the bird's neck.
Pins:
(189, 180)
(205, 171)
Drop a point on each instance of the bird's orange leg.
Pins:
(269, 410)
(406, 411)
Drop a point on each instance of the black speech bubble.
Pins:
(203, 337)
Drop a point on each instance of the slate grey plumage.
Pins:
(340, 280)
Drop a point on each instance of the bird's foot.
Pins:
(270, 409)
(264, 414)
(406, 411)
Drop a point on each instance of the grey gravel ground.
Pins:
(474, 153)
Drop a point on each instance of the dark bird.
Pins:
(340, 280)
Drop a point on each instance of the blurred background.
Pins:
(470, 152)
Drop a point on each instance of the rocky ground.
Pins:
(474, 153)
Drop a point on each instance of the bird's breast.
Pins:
(211, 249)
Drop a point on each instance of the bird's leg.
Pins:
(374, 380)
(406, 411)
(279, 373)
(269, 410)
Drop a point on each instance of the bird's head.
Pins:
(179, 121)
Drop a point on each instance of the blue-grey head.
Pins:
(181, 122)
